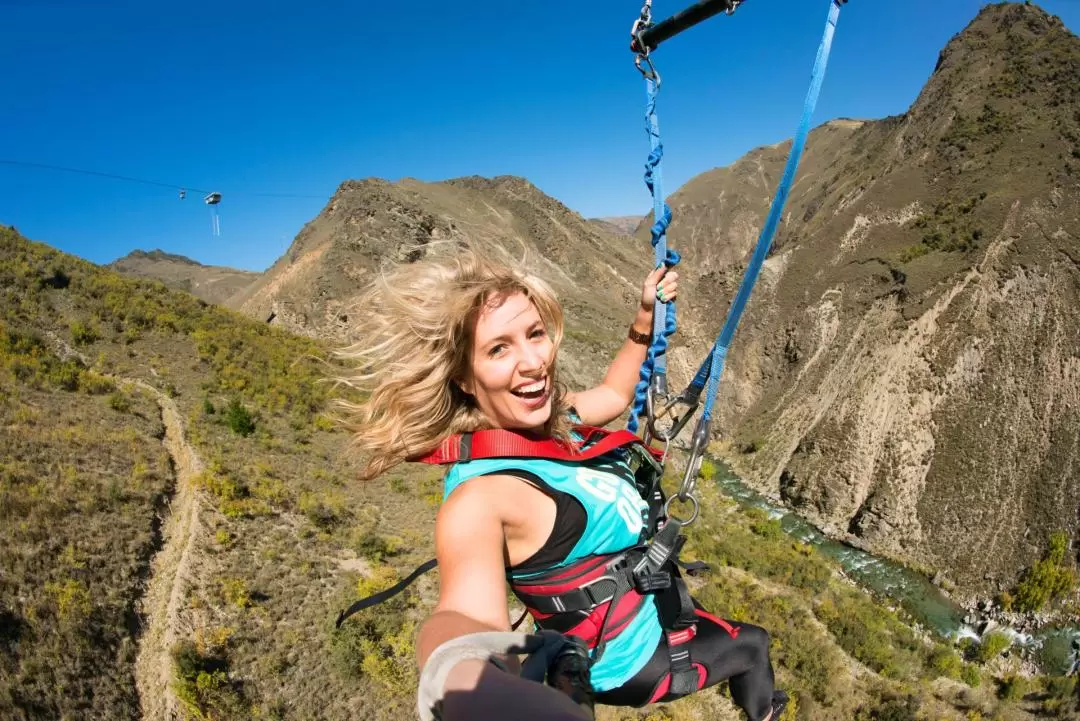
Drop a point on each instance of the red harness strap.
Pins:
(498, 443)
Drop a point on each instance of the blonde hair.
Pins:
(414, 332)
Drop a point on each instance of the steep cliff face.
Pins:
(908, 370)
(596, 274)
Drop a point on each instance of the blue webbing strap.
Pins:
(664, 321)
(713, 366)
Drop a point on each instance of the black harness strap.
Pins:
(386, 595)
(684, 678)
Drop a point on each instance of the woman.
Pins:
(460, 343)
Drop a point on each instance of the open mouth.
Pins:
(532, 392)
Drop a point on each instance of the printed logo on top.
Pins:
(610, 483)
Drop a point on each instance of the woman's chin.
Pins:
(528, 417)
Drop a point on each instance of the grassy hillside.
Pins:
(177, 511)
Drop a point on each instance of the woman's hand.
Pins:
(661, 284)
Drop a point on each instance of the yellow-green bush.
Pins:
(1050, 578)
(72, 600)
(993, 644)
(201, 683)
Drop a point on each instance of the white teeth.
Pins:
(532, 388)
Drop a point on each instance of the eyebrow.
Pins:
(505, 337)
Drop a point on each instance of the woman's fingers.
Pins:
(668, 287)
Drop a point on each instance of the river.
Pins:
(921, 599)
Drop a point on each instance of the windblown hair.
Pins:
(414, 332)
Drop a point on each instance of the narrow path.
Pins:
(170, 569)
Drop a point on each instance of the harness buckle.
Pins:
(598, 597)
(651, 582)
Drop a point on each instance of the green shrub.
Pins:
(201, 682)
(1049, 579)
(324, 510)
(769, 528)
(379, 643)
(83, 334)
(872, 635)
(65, 375)
(239, 419)
(376, 547)
(992, 646)
(96, 384)
(905, 708)
(946, 662)
(1013, 687)
(222, 486)
(72, 600)
(235, 592)
(1060, 692)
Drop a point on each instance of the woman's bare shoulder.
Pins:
(482, 495)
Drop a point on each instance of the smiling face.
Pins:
(512, 355)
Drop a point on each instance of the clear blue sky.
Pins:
(271, 97)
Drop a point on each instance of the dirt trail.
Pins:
(170, 571)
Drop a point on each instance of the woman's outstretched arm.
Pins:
(469, 544)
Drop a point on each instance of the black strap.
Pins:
(693, 567)
(623, 586)
(578, 599)
(679, 603)
(664, 546)
(389, 593)
(684, 678)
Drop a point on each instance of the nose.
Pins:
(533, 358)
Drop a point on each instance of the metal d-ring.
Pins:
(693, 516)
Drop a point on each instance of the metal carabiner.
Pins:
(651, 72)
(658, 390)
(698, 446)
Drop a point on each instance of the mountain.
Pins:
(618, 225)
(149, 442)
(907, 373)
(214, 284)
(597, 275)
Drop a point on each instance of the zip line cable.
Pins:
(173, 186)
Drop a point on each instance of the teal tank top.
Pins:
(616, 517)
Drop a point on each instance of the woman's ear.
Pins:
(464, 385)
